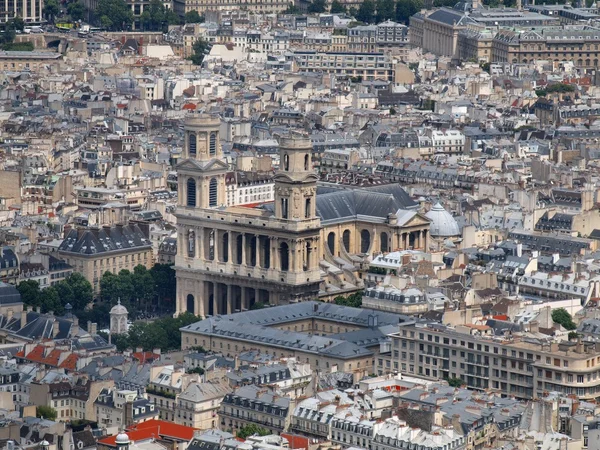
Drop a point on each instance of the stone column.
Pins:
(243, 298)
(257, 247)
(244, 249)
(200, 243)
(229, 247)
(275, 253)
(216, 244)
(420, 239)
(199, 299)
(181, 244)
(216, 299)
(229, 299)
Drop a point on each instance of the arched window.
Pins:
(331, 242)
(190, 304)
(365, 241)
(285, 256)
(212, 192)
(308, 208)
(284, 208)
(225, 249)
(346, 239)
(212, 145)
(192, 144)
(384, 242)
(191, 192)
(286, 162)
(306, 162)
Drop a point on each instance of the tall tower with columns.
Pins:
(230, 258)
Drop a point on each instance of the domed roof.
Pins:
(119, 309)
(122, 438)
(442, 222)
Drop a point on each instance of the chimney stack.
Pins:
(55, 328)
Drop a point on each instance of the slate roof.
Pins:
(256, 326)
(105, 240)
(349, 204)
(9, 295)
(8, 258)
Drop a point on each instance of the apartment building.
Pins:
(116, 409)
(198, 405)
(255, 405)
(368, 66)
(99, 197)
(252, 6)
(246, 188)
(579, 44)
(512, 365)
(94, 251)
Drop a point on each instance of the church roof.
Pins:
(342, 205)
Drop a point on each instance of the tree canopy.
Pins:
(76, 10)
(141, 290)
(562, 317)
(51, 9)
(114, 15)
(47, 412)
(156, 17)
(366, 12)
(75, 290)
(162, 333)
(317, 6)
(199, 50)
(407, 8)
(353, 300)
(337, 7)
(193, 17)
(252, 429)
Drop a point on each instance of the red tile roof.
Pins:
(37, 354)
(296, 441)
(70, 363)
(153, 429)
(52, 358)
(146, 356)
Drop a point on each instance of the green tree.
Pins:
(171, 17)
(562, 317)
(366, 12)
(573, 335)
(198, 370)
(47, 412)
(115, 15)
(81, 290)
(76, 10)
(30, 293)
(51, 301)
(337, 7)
(407, 8)
(317, 7)
(386, 10)
(18, 23)
(258, 305)
(455, 382)
(252, 429)
(200, 49)
(51, 9)
(353, 300)
(193, 17)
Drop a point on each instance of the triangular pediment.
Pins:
(284, 177)
(417, 220)
(210, 165)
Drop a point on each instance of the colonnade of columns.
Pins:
(251, 250)
(221, 298)
(414, 239)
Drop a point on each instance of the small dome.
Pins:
(44, 443)
(119, 309)
(122, 438)
(442, 222)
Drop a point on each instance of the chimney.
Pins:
(94, 330)
(519, 249)
(38, 310)
(9, 315)
(555, 258)
(139, 349)
(156, 351)
(24, 318)
(55, 328)
(75, 327)
(66, 230)
(89, 326)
